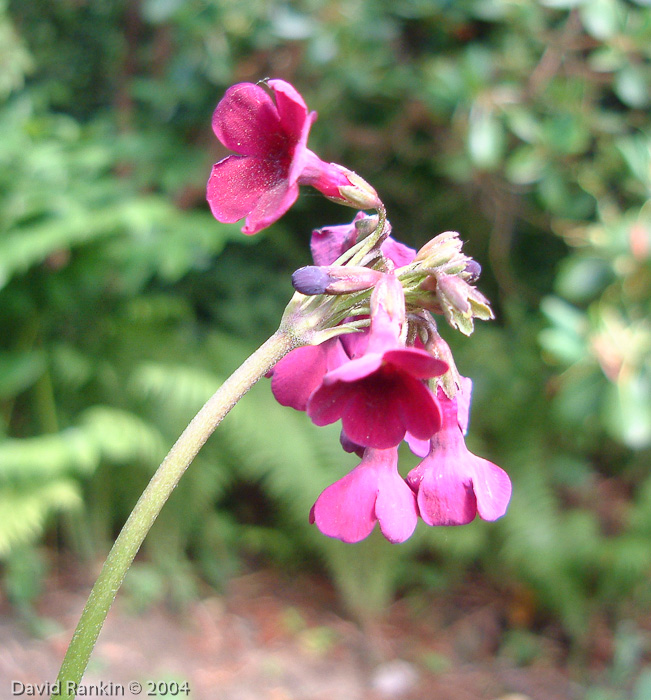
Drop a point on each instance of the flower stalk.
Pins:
(153, 499)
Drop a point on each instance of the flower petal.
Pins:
(297, 375)
(355, 369)
(235, 187)
(346, 509)
(464, 398)
(492, 488)
(328, 243)
(326, 403)
(419, 447)
(300, 372)
(273, 203)
(418, 409)
(246, 120)
(395, 507)
(370, 416)
(356, 344)
(291, 108)
(349, 446)
(399, 253)
(419, 363)
(444, 498)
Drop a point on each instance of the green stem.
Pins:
(152, 500)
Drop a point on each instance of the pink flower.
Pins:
(301, 371)
(261, 183)
(452, 484)
(381, 395)
(373, 492)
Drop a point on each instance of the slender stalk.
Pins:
(152, 500)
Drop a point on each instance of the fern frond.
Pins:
(121, 436)
(25, 509)
(179, 388)
(48, 456)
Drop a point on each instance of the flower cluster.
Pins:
(374, 359)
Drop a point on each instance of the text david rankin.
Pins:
(97, 690)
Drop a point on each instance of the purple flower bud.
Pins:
(338, 279)
(472, 271)
(311, 280)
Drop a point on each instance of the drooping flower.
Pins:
(372, 492)
(421, 448)
(270, 138)
(381, 395)
(453, 485)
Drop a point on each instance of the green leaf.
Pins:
(485, 138)
(632, 86)
(18, 371)
(582, 278)
(643, 686)
(601, 18)
(158, 11)
(123, 437)
(525, 165)
(627, 410)
(566, 134)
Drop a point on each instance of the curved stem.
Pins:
(152, 500)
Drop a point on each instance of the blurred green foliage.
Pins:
(524, 125)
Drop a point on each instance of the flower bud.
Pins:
(336, 279)
(337, 183)
(358, 194)
(440, 250)
(388, 303)
(365, 225)
(461, 303)
(472, 271)
(455, 291)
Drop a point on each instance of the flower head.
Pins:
(372, 492)
(381, 395)
(270, 138)
(452, 485)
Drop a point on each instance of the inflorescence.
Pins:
(375, 360)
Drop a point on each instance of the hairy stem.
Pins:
(152, 500)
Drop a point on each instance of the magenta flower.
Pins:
(261, 183)
(301, 371)
(381, 395)
(452, 484)
(372, 492)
